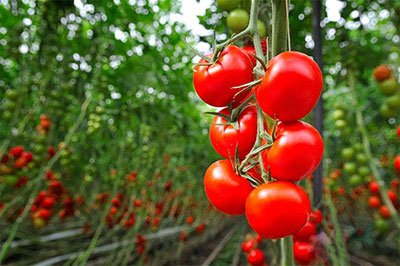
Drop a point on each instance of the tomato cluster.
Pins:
(289, 150)
(238, 17)
(389, 87)
(251, 246)
(304, 246)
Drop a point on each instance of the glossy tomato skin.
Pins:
(214, 83)
(224, 137)
(304, 253)
(306, 232)
(278, 209)
(296, 152)
(396, 164)
(225, 189)
(291, 86)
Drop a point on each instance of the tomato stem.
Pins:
(250, 29)
(287, 257)
(279, 26)
(367, 148)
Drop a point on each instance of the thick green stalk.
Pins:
(279, 45)
(287, 257)
(279, 27)
(339, 240)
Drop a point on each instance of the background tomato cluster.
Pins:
(103, 143)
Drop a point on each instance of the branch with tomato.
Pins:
(262, 162)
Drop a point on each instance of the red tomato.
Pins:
(382, 72)
(291, 86)
(214, 83)
(27, 156)
(48, 203)
(374, 202)
(398, 131)
(226, 190)
(248, 245)
(251, 51)
(373, 187)
(224, 137)
(304, 253)
(395, 183)
(296, 152)
(256, 257)
(16, 151)
(20, 163)
(316, 216)
(306, 232)
(392, 196)
(277, 209)
(384, 212)
(396, 164)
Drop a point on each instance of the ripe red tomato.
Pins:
(382, 72)
(248, 245)
(291, 86)
(16, 151)
(224, 137)
(256, 257)
(226, 190)
(374, 202)
(398, 131)
(396, 164)
(384, 212)
(373, 187)
(392, 196)
(20, 163)
(48, 203)
(277, 209)
(304, 253)
(214, 83)
(316, 216)
(306, 232)
(296, 152)
(27, 156)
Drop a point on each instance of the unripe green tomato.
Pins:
(393, 102)
(238, 20)
(364, 170)
(387, 112)
(367, 179)
(38, 148)
(228, 5)
(362, 158)
(340, 106)
(11, 94)
(338, 114)
(347, 154)
(355, 180)
(10, 105)
(64, 153)
(99, 109)
(262, 30)
(340, 124)
(88, 178)
(10, 180)
(381, 225)
(64, 161)
(358, 147)
(389, 87)
(350, 168)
